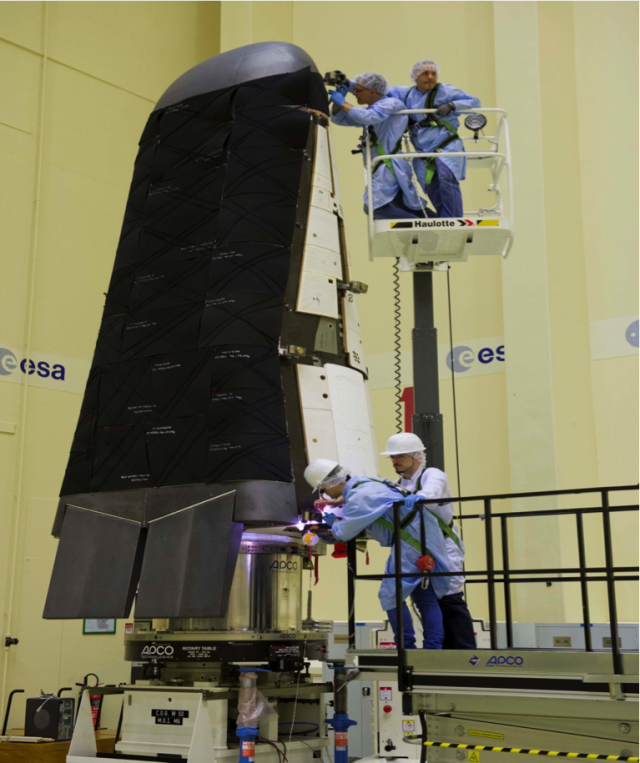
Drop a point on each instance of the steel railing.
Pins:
(506, 575)
(501, 132)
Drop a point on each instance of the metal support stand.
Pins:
(341, 722)
(427, 420)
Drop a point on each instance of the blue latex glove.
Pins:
(329, 518)
(343, 89)
(410, 501)
(336, 97)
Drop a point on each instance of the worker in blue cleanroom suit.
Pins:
(437, 132)
(394, 195)
(368, 505)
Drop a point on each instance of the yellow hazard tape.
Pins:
(522, 751)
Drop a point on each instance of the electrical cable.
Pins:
(453, 388)
(281, 755)
(397, 363)
(455, 419)
(295, 700)
(316, 726)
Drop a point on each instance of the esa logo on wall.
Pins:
(9, 364)
(462, 358)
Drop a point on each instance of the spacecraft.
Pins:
(229, 355)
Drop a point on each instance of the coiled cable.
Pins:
(397, 345)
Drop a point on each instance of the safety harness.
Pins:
(380, 149)
(420, 546)
(431, 120)
(447, 529)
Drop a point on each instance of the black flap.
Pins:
(190, 561)
(96, 567)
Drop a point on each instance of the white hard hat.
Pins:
(405, 442)
(318, 471)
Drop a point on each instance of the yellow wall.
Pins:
(77, 81)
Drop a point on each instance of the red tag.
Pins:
(366, 557)
(95, 709)
(316, 570)
(248, 749)
(341, 740)
(426, 563)
(340, 551)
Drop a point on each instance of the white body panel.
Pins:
(337, 418)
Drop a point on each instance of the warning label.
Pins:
(486, 734)
(385, 694)
(408, 727)
(473, 756)
(341, 740)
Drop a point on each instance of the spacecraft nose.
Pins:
(250, 62)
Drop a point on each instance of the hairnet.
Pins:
(424, 66)
(419, 455)
(373, 81)
(334, 478)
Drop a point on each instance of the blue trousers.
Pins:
(444, 192)
(458, 625)
(395, 210)
(430, 614)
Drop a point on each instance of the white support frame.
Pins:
(502, 131)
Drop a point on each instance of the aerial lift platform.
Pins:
(482, 231)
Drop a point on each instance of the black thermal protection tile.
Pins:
(126, 394)
(248, 456)
(170, 284)
(252, 319)
(258, 268)
(182, 383)
(158, 332)
(177, 450)
(121, 459)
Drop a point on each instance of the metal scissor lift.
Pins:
(477, 705)
(483, 231)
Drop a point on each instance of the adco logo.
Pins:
(287, 566)
(9, 364)
(462, 357)
(158, 650)
(516, 661)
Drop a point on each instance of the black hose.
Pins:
(423, 727)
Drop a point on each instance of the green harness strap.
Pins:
(444, 527)
(435, 122)
(381, 152)
(389, 526)
(403, 534)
